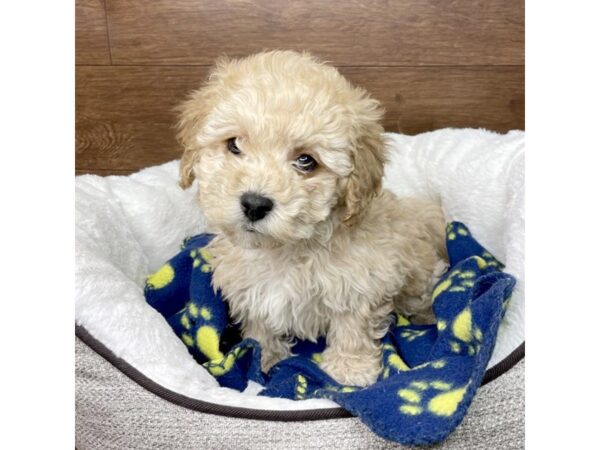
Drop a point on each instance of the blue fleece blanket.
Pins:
(430, 372)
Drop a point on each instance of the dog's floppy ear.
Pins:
(368, 158)
(192, 115)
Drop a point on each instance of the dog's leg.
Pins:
(353, 353)
(414, 302)
(273, 348)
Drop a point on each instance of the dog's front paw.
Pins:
(355, 370)
(268, 358)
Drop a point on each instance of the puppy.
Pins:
(289, 158)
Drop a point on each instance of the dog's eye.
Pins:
(305, 163)
(232, 146)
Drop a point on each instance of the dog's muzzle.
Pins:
(255, 206)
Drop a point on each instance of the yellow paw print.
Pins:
(206, 337)
(453, 230)
(342, 389)
(207, 340)
(224, 364)
(468, 336)
(411, 335)
(190, 313)
(490, 260)
(437, 364)
(444, 402)
(301, 385)
(202, 258)
(457, 281)
(161, 278)
(393, 361)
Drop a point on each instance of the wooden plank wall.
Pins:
(432, 63)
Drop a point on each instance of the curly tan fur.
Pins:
(337, 254)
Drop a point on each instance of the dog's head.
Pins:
(280, 144)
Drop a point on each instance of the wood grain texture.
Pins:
(91, 34)
(103, 172)
(125, 115)
(420, 99)
(349, 32)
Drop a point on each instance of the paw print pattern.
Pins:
(456, 281)
(224, 364)
(467, 337)
(456, 230)
(301, 386)
(435, 397)
(202, 258)
(437, 364)
(199, 332)
(392, 362)
(411, 335)
(425, 377)
(491, 261)
(161, 278)
(395, 363)
(198, 328)
(453, 229)
(182, 292)
(404, 335)
(328, 391)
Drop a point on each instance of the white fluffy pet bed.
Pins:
(126, 227)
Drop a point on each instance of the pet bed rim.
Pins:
(248, 413)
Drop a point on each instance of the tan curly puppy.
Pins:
(289, 159)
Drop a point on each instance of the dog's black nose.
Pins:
(255, 206)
